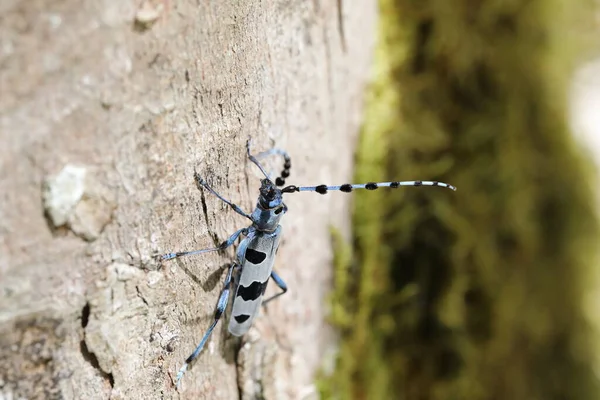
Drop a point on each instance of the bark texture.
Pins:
(107, 108)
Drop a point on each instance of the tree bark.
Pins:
(107, 109)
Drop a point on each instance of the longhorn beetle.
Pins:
(255, 254)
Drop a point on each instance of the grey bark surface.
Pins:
(132, 97)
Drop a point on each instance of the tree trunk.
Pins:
(107, 108)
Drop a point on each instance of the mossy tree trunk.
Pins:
(476, 294)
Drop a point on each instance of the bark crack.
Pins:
(213, 235)
(340, 23)
(88, 355)
(139, 294)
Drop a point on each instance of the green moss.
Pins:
(475, 294)
(337, 384)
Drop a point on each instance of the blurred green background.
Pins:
(474, 294)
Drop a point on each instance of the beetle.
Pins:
(255, 255)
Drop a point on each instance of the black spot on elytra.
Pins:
(252, 292)
(346, 187)
(394, 184)
(435, 183)
(255, 257)
(418, 183)
(241, 318)
(278, 211)
(371, 186)
(321, 189)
